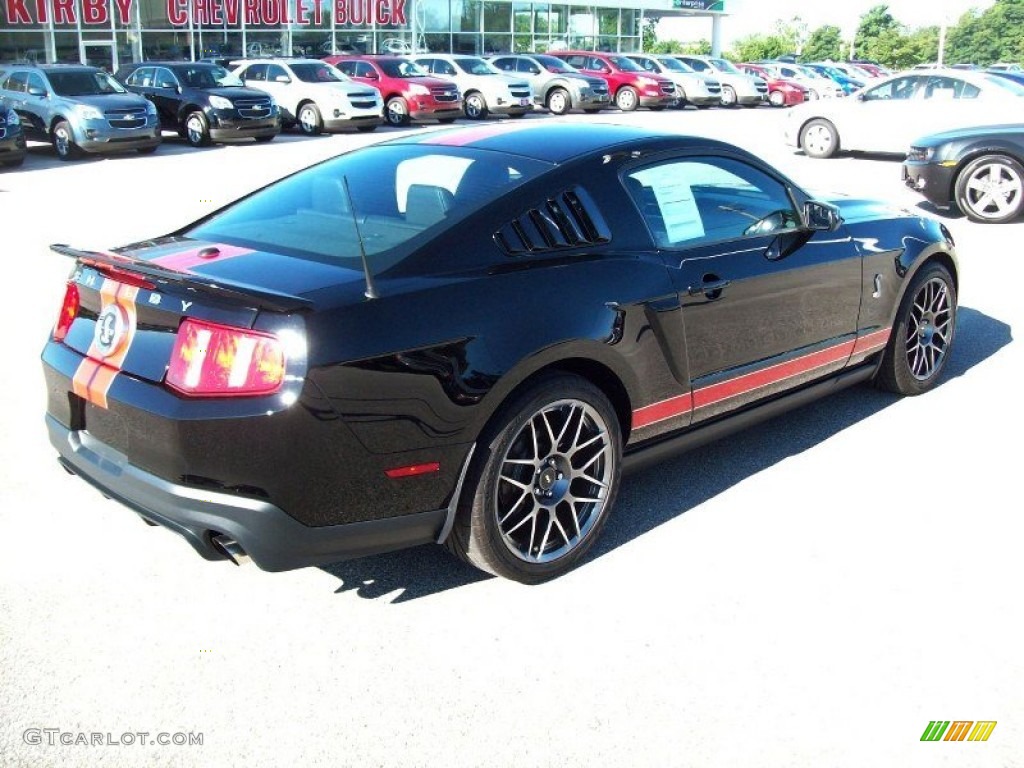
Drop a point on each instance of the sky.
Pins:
(747, 17)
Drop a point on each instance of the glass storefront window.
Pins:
(433, 16)
(497, 17)
(466, 16)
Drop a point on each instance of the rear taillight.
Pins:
(68, 313)
(211, 360)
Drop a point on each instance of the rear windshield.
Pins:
(401, 196)
(317, 73)
(83, 83)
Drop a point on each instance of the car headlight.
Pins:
(219, 102)
(647, 81)
(88, 113)
(12, 118)
(419, 90)
(921, 154)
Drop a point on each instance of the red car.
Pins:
(781, 93)
(630, 85)
(409, 93)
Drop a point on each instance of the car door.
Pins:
(767, 305)
(166, 97)
(885, 118)
(15, 95)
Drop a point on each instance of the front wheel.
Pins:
(990, 189)
(540, 488)
(197, 132)
(475, 106)
(777, 99)
(626, 99)
(923, 334)
(728, 96)
(397, 111)
(64, 142)
(311, 122)
(819, 138)
(559, 101)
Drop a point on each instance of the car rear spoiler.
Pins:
(238, 293)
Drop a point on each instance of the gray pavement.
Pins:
(809, 593)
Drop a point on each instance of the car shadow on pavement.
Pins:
(663, 492)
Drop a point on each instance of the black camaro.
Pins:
(979, 170)
(464, 336)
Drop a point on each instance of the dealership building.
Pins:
(109, 33)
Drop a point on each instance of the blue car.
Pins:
(844, 81)
(12, 138)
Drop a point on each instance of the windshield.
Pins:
(551, 64)
(474, 67)
(398, 194)
(626, 65)
(83, 83)
(725, 65)
(699, 66)
(207, 77)
(319, 72)
(401, 68)
(674, 65)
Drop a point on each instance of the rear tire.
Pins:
(922, 336)
(542, 482)
(819, 138)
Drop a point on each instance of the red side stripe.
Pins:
(749, 382)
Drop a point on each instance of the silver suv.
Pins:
(692, 87)
(737, 87)
(314, 94)
(484, 89)
(79, 109)
(556, 85)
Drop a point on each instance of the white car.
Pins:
(701, 90)
(888, 116)
(314, 94)
(817, 85)
(484, 89)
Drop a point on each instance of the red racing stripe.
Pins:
(765, 377)
(185, 260)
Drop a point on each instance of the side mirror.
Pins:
(373, 76)
(821, 217)
(37, 92)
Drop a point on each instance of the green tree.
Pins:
(996, 34)
(755, 47)
(648, 33)
(875, 33)
(824, 43)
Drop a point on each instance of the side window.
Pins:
(598, 65)
(18, 82)
(427, 64)
(444, 68)
(35, 80)
(527, 67)
(579, 62)
(365, 69)
(275, 71)
(505, 65)
(900, 88)
(347, 68)
(165, 78)
(703, 200)
(940, 88)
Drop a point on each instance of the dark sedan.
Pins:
(978, 170)
(464, 336)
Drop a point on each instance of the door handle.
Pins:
(711, 287)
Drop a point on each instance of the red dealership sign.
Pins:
(253, 13)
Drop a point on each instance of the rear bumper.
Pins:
(274, 540)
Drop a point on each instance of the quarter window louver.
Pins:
(570, 219)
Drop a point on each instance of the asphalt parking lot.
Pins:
(809, 593)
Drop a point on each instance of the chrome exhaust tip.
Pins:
(230, 548)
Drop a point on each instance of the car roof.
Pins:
(558, 142)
